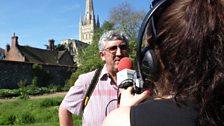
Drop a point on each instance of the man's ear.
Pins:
(102, 56)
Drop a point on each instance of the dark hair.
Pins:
(190, 44)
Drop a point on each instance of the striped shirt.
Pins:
(101, 102)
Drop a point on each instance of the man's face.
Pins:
(113, 51)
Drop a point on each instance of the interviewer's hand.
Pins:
(129, 99)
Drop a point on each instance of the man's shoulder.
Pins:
(88, 74)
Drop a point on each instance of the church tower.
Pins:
(89, 24)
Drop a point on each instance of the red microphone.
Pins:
(125, 63)
(125, 75)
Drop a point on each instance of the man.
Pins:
(113, 46)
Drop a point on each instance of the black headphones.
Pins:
(146, 60)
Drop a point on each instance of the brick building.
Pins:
(28, 54)
(18, 62)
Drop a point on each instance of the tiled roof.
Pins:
(36, 55)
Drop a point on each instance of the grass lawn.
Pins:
(35, 112)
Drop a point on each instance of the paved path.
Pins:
(39, 96)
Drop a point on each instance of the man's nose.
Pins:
(118, 52)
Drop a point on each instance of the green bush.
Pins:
(53, 88)
(26, 118)
(41, 77)
(11, 119)
(6, 93)
(23, 90)
(50, 102)
(34, 90)
(8, 120)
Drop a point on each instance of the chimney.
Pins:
(7, 48)
(51, 44)
(14, 40)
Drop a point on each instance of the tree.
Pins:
(40, 77)
(127, 19)
(60, 47)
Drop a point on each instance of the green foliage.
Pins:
(7, 93)
(38, 112)
(26, 118)
(132, 53)
(127, 19)
(60, 47)
(11, 119)
(34, 90)
(41, 77)
(23, 90)
(78, 120)
(8, 120)
(54, 88)
(49, 103)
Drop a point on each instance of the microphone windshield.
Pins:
(125, 63)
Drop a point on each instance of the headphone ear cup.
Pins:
(149, 65)
(146, 60)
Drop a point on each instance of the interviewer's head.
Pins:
(190, 48)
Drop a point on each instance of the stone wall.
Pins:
(12, 72)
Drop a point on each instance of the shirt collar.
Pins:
(105, 75)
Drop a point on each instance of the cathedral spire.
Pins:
(89, 13)
(88, 25)
(89, 6)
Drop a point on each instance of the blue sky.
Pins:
(37, 21)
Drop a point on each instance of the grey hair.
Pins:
(112, 35)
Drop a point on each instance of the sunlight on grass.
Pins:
(39, 112)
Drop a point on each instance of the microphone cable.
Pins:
(112, 101)
(108, 105)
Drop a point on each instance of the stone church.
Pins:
(89, 24)
(87, 27)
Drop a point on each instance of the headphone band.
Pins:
(149, 16)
